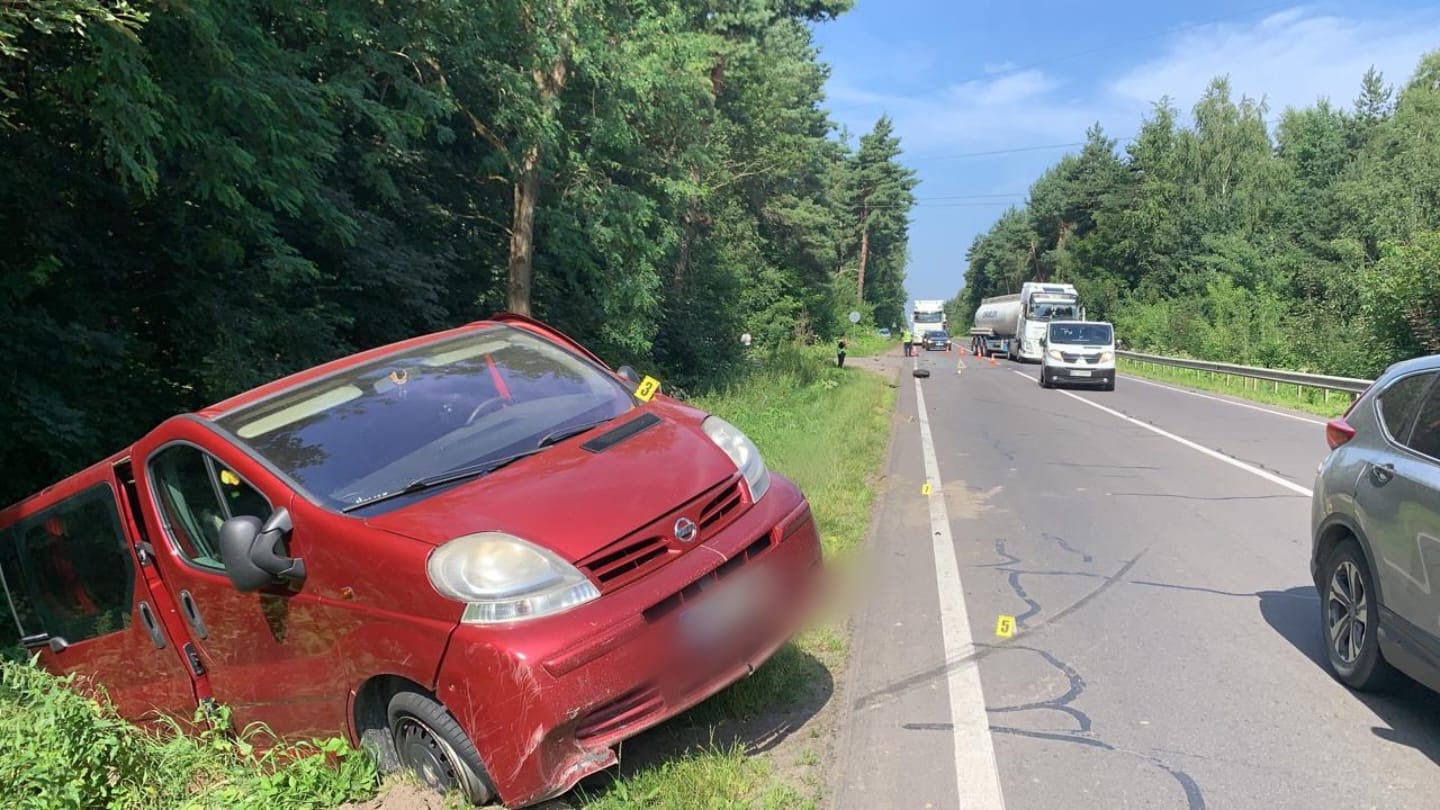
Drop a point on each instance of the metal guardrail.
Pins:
(1349, 385)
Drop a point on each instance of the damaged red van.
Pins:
(482, 554)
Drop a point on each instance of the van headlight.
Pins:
(743, 452)
(1055, 354)
(1107, 357)
(502, 578)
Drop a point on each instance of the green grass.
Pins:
(1309, 400)
(716, 779)
(826, 428)
(59, 749)
(868, 344)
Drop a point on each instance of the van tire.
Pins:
(430, 744)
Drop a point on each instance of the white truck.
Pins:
(927, 315)
(1014, 325)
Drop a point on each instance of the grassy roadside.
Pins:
(824, 427)
(868, 344)
(59, 749)
(1308, 400)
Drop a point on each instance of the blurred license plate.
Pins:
(724, 608)
(1079, 373)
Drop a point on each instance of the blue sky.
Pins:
(960, 78)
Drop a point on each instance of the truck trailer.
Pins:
(996, 322)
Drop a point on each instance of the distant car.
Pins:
(1078, 353)
(936, 339)
(885, 332)
(1375, 521)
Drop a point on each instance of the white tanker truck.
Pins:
(996, 321)
(1014, 324)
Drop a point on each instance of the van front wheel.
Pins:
(432, 745)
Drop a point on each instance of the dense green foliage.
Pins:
(60, 749)
(1313, 245)
(198, 197)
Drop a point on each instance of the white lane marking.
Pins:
(977, 774)
(1296, 417)
(1250, 468)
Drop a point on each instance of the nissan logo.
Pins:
(685, 530)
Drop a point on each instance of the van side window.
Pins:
(197, 494)
(74, 562)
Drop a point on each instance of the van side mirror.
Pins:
(247, 547)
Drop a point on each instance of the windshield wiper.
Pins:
(557, 436)
(440, 479)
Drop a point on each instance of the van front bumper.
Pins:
(546, 701)
(1080, 375)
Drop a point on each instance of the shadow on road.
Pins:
(1410, 710)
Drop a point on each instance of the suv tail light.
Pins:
(1338, 432)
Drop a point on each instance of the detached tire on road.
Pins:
(432, 745)
(1349, 619)
(921, 372)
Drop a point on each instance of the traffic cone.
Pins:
(994, 362)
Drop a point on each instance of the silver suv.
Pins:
(1375, 520)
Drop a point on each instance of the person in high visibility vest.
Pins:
(905, 338)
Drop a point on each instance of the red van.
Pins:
(482, 554)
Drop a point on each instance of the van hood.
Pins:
(575, 501)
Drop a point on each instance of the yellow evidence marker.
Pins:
(647, 389)
(925, 488)
(1005, 626)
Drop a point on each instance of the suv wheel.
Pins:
(1350, 619)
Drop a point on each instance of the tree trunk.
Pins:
(687, 240)
(549, 83)
(522, 233)
(864, 255)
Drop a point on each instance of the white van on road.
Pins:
(1080, 352)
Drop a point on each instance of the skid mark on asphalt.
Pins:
(928, 676)
(1062, 543)
(1083, 734)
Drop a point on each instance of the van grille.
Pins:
(721, 509)
(652, 546)
(614, 569)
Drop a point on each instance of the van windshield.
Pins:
(371, 430)
(1081, 334)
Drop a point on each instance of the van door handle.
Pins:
(1380, 474)
(152, 626)
(192, 614)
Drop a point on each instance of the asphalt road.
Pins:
(1167, 650)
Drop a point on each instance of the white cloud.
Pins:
(1291, 58)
